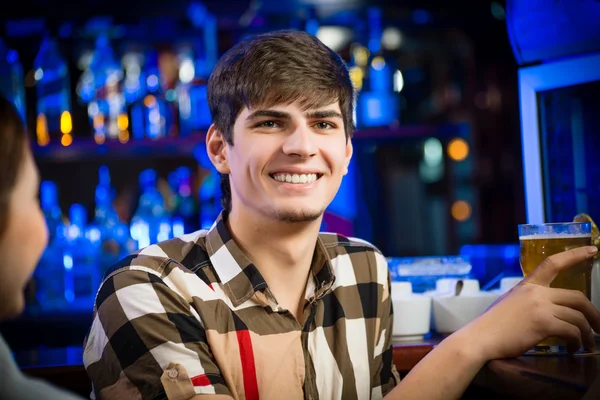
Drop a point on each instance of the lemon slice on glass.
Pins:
(595, 232)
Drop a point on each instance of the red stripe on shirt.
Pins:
(200, 380)
(248, 366)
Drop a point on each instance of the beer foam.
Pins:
(547, 236)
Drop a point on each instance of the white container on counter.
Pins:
(507, 284)
(412, 313)
(457, 302)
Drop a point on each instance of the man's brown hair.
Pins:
(280, 67)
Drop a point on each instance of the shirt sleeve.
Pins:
(385, 376)
(147, 342)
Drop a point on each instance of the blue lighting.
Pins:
(344, 202)
(374, 45)
(196, 12)
(312, 26)
(421, 17)
(65, 30)
(377, 109)
(171, 95)
(152, 82)
(68, 262)
(12, 56)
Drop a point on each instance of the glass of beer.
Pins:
(539, 242)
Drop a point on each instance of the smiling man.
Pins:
(262, 305)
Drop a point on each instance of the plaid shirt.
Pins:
(193, 315)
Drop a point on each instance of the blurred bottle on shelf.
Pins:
(81, 260)
(377, 104)
(151, 115)
(209, 193)
(185, 209)
(196, 63)
(50, 274)
(51, 209)
(134, 84)
(106, 109)
(114, 234)
(151, 222)
(11, 78)
(53, 113)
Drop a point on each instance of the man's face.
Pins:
(287, 164)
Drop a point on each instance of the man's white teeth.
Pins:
(295, 178)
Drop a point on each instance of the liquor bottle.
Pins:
(49, 276)
(11, 78)
(151, 222)
(81, 260)
(114, 234)
(107, 109)
(53, 121)
(151, 116)
(185, 210)
(378, 104)
(195, 66)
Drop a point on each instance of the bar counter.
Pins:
(527, 377)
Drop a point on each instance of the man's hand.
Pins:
(532, 311)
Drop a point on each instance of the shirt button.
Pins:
(173, 374)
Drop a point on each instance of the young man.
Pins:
(264, 306)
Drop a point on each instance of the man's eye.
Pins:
(323, 125)
(267, 124)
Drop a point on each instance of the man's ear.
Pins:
(216, 147)
(349, 152)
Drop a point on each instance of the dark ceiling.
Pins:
(127, 10)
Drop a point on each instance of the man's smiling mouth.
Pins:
(295, 178)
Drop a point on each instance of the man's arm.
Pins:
(147, 342)
(445, 373)
(528, 314)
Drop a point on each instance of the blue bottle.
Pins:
(49, 275)
(152, 116)
(114, 235)
(80, 261)
(50, 207)
(196, 65)
(192, 95)
(53, 92)
(378, 104)
(151, 222)
(11, 78)
(185, 210)
(108, 103)
(209, 194)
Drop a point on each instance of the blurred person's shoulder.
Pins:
(16, 385)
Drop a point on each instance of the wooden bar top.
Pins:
(406, 354)
(543, 377)
(526, 377)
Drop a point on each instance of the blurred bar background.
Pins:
(114, 96)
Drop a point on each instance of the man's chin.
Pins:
(298, 216)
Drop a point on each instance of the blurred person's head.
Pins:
(281, 102)
(23, 232)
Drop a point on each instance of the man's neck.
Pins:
(282, 252)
